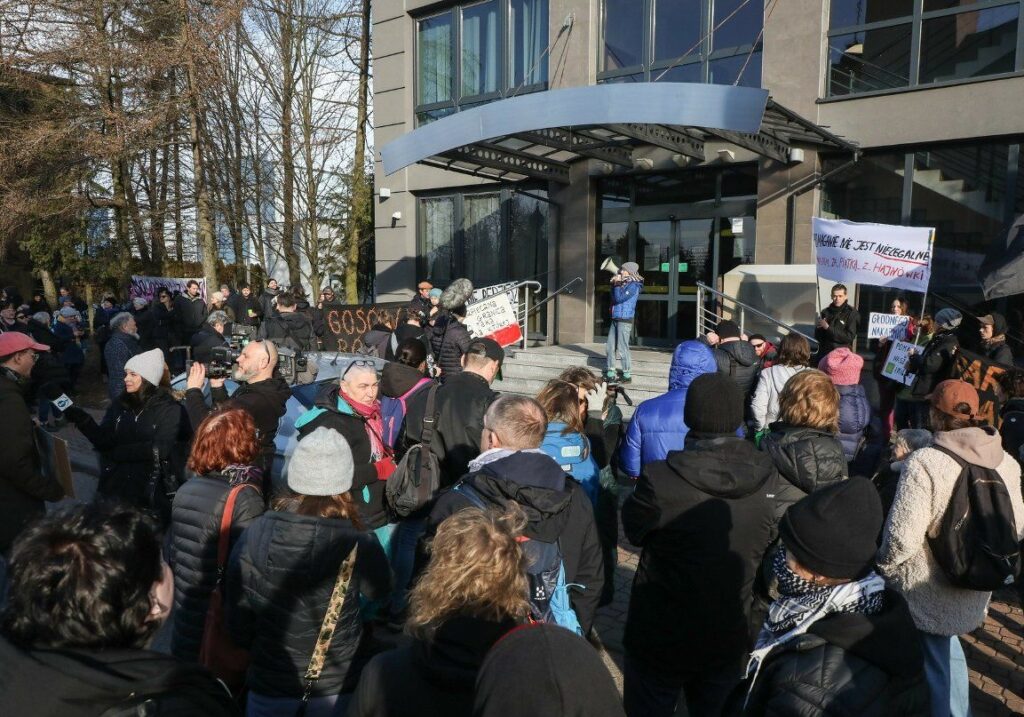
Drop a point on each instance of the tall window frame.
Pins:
(916, 22)
(700, 64)
(507, 53)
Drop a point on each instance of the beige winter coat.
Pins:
(922, 496)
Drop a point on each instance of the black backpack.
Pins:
(976, 545)
(417, 479)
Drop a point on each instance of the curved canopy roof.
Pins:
(538, 135)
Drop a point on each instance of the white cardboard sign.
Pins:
(896, 363)
(887, 326)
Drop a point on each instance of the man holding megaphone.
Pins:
(626, 287)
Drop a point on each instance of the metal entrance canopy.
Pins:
(539, 135)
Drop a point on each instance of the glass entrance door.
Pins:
(673, 254)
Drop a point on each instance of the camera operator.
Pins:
(261, 393)
(290, 328)
(210, 336)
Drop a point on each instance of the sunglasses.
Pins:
(758, 345)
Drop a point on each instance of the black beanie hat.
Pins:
(714, 404)
(834, 530)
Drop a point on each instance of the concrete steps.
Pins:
(526, 372)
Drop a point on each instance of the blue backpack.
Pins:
(392, 411)
(545, 574)
(572, 452)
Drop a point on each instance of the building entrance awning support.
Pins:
(539, 136)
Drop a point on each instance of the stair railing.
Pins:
(524, 316)
(711, 302)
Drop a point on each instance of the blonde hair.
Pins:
(810, 400)
(476, 568)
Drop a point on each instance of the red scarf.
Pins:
(374, 423)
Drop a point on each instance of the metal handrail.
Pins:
(703, 313)
(567, 288)
(531, 286)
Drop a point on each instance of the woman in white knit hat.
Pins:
(307, 556)
(143, 437)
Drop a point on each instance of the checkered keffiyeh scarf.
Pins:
(803, 603)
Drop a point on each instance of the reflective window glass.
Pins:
(434, 62)
(969, 44)
(726, 70)
(529, 63)
(740, 24)
(438, 227)
(869, 60)
(847, 13)
(623, 34)
(678, 28)
(480, 48)
(483, 258)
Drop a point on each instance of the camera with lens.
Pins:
(241, 335)
(291, 364)
(222, 358)
(615, 390)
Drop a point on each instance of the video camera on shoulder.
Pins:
(222, 358)
(291, 364)
(241, 335)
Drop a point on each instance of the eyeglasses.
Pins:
(359, 362)
(758, 345)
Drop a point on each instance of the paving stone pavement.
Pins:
(995, 651)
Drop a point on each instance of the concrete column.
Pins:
(577, 227)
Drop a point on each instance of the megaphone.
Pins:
(610, 266)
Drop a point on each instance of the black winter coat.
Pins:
(191, 314)
(998, 351)
(332, 411)
(264, 401)
(204, 341)
(841, 331)
(291, 330)
(195, 530)
(131, 440)
(145, 321)
(244, 305)
(704, 520)
(428, 679)
(449, 341)
(403, 332)
(806, 459)
(23, 488)
(557, 509)
(935, 364)
(846, 664)
(279, 583)
(268, 303)
(460, 404)
(112, 683)
(739, 361)
(166, 327)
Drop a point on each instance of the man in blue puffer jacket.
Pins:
(626, 288)
(658, 426)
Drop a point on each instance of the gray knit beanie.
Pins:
(148, 364)
(948, 319)
(321, 464)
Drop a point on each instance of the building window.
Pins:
(478, 52)
(879, 45)
(717, 41)
(489, 236)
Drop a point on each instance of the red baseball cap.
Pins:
(11, 342)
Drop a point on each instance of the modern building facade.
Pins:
(894, 111)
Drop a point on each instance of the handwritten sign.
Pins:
(486, 292)
(896, 363)
(494, 317)
(875, 254)
(986, 377)
(345, 324)
(148, 286)
(887, 326)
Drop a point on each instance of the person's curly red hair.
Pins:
(224, 438)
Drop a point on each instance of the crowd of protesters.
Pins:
(784, 568)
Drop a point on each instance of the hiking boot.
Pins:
(611, 376)
(626, 378)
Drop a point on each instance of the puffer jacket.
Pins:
(764, 404)
(195, 530)
(933, 365)
(556, 509)
(922, 496)
(572, 452)
(854, 417)
(331, 410)
(625, 294)
(449, 341)
(279, 583)
(704, 519)
(847, 663)
(657, 426)
(738, 360)
(806, 459)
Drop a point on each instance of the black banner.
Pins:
(985, 376)
(347, 323)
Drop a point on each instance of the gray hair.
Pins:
(218, 317)
(118, 322)
(139, 301)
(42, 317)
(519, 421)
